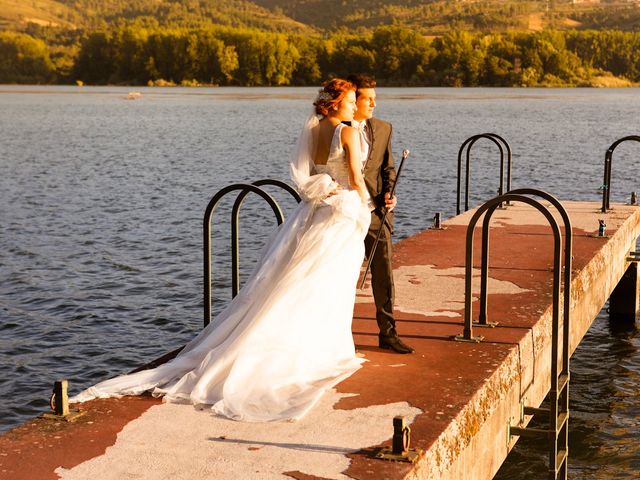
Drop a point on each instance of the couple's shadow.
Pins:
(289, 446)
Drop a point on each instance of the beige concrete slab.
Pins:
(180, 442)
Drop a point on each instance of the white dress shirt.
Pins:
(365, 147)
(365, 141)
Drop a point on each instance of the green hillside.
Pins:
(434, 17)
(437, 17)
(16, 14)
(100, 14)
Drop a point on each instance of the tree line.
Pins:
(395, 55)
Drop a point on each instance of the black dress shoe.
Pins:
(395, 344)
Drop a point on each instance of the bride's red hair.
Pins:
(332, 94)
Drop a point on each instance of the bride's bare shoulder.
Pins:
(349, 134)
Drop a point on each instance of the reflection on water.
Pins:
(102, 201)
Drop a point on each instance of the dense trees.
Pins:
(145, 53)
(24, 59)
(614, 51)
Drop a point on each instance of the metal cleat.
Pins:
(59, 403)
(400, 451)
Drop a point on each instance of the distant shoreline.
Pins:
(625, 85)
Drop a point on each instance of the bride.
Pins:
(286, 337)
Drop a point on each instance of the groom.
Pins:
(379, 176)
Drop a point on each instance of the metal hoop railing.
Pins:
(468, 143)
(482, 314)
(606, 184)
(244, 188)
(490, 207)
(235, 219)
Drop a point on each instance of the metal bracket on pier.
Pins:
(59, 403)
(468, 143)
(633, 257)
(634, 199)
(437, 222)
(400, 451)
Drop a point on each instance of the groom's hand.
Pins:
(390, 202)
(335, 191)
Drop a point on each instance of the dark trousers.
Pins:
(381, 276)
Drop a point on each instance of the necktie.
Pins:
(368, 134)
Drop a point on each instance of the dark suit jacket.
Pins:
(379, 171)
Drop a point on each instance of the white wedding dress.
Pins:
(286, 337)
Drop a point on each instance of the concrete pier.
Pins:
(458, 398)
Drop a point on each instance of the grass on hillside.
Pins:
(438, 17)
(15, 14)
(43, 12)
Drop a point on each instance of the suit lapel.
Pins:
(372, 146)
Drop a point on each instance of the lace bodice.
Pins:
(337, 166)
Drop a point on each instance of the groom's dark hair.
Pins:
(362, 81)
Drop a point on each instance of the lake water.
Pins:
(101, 203)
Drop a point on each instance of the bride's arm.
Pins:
(351, 142)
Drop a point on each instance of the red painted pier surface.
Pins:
(459, 397)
